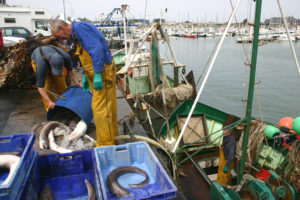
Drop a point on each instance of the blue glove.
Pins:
(225, 169)
(85, 83)
(98, 81)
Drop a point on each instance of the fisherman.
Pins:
(47, 63)
(227, 152)
(98, 74)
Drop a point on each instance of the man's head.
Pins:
(57, 62)
(61, 30)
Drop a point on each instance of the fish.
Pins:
(15, 153)
(53, 146)
(46, 193)
(43, 137)
(90, 189)
(79, 131)
(9, 162)
(116, 188)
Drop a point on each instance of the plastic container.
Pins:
(65, 174)
(21, 143)
(28, 178)
(140, 155)
(76, 100)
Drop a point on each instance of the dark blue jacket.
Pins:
(93, 41)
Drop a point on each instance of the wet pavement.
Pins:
(21, 109)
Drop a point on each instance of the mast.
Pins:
(124, 7)
(250, 89)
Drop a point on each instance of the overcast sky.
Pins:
(177, 10)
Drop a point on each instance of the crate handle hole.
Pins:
(121, 149)
(5, 140)
(65, 157)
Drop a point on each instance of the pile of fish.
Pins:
(60, 138)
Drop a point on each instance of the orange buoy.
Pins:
(287, 123)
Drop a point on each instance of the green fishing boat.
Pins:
(150, 92)
(266, 156)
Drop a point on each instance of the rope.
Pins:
(294, 155)
(208, 61)
(258, 102)
(55, 94)
(239, 29)
(130, 116)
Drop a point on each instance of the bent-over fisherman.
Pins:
(47, 63)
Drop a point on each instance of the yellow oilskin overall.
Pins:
(104, 101)
(223, 178)
(58, 82)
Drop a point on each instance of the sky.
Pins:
(177, 10)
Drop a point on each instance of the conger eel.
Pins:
(9, 162)
(116, 188)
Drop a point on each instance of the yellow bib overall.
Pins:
(53, 83)
(104, 101)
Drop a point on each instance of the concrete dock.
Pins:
(21, 109)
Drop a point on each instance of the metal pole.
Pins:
(206, 76)
(124, 6)
(145, 15)
(289, 37)
(250, 90)
(64, 11)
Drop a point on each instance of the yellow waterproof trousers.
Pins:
(223, 178)
(104, 101)
(56, 84)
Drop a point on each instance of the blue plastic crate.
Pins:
(23, 144)
(65, 174)
(28, 178)
(140, 155)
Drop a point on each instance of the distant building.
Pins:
(277, 21)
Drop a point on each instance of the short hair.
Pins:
(56, 24)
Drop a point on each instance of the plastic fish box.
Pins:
(140, 155)
(28, 178)
(22, 144)
(65, 174)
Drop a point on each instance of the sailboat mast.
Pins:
(250, 89)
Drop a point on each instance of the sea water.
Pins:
(227, 86)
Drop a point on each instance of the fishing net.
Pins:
(256, 137)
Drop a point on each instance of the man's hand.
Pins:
(51, 104)
(85, 83)
(225, 169)
(98, 81)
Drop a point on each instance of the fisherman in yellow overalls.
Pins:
(47, 63)
(99, 74)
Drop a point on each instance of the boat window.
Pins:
(9, 20)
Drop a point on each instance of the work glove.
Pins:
(98, 81)
(85, 83)
(225, 169)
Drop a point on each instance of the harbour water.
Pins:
(279, 82)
